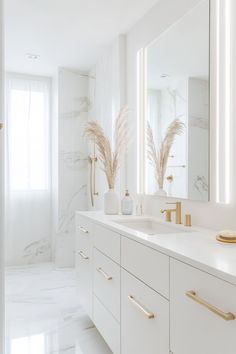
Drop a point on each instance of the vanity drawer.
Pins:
(83, 234)
(144, 318)
(199, 314)
(107, 325)
(84, 273)
(107, 242)
(83, 225)
(148, 265)
(106, 275)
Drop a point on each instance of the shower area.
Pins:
(46, 165)
(51, 169)
(47, 175)
(50, 173)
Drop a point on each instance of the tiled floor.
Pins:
(43, 314)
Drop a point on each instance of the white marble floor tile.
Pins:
(44, 316)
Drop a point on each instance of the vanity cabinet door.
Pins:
(107, 241)
(144, 318)
(201, 313)
(84, 273)
(107, 325)
(83, 239)
(83, 262)
(149, 265)
(106, 283)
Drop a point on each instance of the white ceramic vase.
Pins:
(161, 192)
(111, 202)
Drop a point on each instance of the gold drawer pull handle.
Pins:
(226, 316)
(81, 228)
(81, 253)
(106, 276)
(1, 126)
(149, 315)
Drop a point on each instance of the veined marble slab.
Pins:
(43, 313)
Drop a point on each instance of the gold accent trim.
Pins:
(177, 211)
(82, 255)
(226, 316)
(225, 240)
(106, 276)
(82, 229)
(168, 214)
(93, 160)
(149, 315)
(170, 178)
(188, 220)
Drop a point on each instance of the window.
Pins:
(28, 124)
(26, 345)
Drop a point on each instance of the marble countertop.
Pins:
(195, 246)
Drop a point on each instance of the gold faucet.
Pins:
(177, 212)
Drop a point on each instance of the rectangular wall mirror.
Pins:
(174, 109)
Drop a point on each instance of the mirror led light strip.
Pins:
(228, 124)
(223, 113)
(141, 87)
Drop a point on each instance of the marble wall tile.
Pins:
(37, 250)
(72, 160)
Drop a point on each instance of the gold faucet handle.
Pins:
(168, 214)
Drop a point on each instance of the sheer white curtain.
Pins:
(28, 172)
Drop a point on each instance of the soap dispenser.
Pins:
(127, 204)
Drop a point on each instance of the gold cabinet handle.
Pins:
(149, 315)
(82, 255)
(81, 228)
(106, 276)
(1, 126)
(226, 316)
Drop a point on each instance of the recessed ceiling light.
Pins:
(163, 76)
(32, 56)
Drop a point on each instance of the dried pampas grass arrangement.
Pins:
(110, 159)
(158, 155)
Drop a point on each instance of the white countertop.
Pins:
(197, 247)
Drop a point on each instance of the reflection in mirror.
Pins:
(177, 109)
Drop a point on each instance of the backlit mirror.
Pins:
(174, 84)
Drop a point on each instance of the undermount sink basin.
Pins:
(150, 226)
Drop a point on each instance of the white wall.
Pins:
(107, 96)
(72, 160)
(55, 162)
(2, 334)
(161, 16)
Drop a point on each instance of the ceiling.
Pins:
(64, 33)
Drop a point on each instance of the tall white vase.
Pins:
(111, 202)
(161, 192)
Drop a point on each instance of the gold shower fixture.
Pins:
(93, 159)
